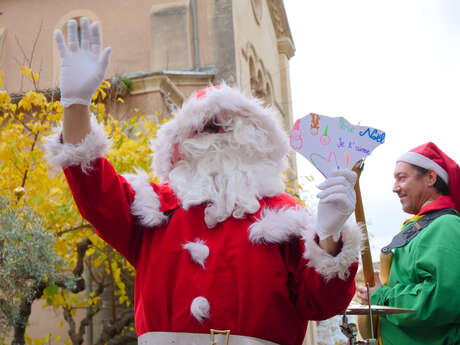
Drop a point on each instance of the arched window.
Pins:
(261, 85)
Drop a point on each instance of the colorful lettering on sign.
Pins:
(363, 150)
(314, 125)
(374, 135)
(346, 127)
(341, 144)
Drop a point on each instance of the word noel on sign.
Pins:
(333, 143)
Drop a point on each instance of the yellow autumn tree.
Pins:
(29, 183)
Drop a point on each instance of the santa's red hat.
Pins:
(429, 156)
(202, 106)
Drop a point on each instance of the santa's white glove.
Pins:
(337, 201)
(83, 66)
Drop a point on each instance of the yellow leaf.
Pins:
(36, 76)
(119, 99)
(26, 71)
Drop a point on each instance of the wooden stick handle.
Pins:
(368, 268)
(385, 266)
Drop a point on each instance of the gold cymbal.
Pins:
(358, 309)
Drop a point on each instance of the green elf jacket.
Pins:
(425, 277)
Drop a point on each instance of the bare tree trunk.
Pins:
(35, 292)
(25, 309)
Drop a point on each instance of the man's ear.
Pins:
(431, 176)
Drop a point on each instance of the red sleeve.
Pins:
(103, 198)
(321, 285)
(316, 297)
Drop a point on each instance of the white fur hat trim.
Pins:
(424, 162)
(93, 146)
(195, 113)
(146, 204)
(198, 251)
(200, 308)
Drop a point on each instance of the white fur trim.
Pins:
(146, 204)
(331, 266)
(278, 226)
(93, 146)
(200, 308)
(198, 250)
(195, 113)
(424, 162)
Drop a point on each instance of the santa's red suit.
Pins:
(262, 276)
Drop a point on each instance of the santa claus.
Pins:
(218, 244)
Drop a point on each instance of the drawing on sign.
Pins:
(325, 139)
(317, 163)
(314, 125)
(296, 137)
(339, 146)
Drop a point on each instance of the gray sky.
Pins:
(392, 65)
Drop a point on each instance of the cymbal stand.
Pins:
(350, 330)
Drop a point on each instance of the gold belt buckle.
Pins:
(212, 332)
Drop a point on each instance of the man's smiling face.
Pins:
(413, 189)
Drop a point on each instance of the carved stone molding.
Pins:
(257, 9)
(281, 26)
(286, 47)
(259, 78)
(158, 83)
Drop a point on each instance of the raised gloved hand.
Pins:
(337, 201)
(83, 66)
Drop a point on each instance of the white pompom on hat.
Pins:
(429, 156)
(202, 107)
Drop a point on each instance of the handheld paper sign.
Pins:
(333, 143)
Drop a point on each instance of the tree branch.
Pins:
(77, 338)
(108, 332)
(77, 272)
(83, 226)
(129, 337)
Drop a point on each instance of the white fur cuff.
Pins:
(93, 146)
(146, 204)
(279, 225)
(331, 266)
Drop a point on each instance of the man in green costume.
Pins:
(425, 273)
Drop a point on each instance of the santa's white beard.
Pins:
(228, 175)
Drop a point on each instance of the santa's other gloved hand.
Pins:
(83, 66)
(337, 201)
